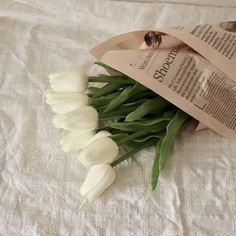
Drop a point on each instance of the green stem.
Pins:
(108, 88)
(110, 79)
(121, 111)
(131, 153)
(135, 135)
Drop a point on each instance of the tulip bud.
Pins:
(85, 118)
(98, 179)
(62, 103)
(79, 139)
(100, 151)
(76, 140)
(69, 80)
(100, 134)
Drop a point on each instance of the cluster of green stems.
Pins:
(137, 118)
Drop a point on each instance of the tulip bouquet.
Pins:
(110, 123)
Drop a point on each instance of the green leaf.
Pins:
(143, 95)
(109, 88)
(149, 136)
(155, 167)
(164, 148)
(104, 100)
(156, 105)
(118, 137)
(147, 131)
(143, 124)
(121, 111)
(124, 96)
(92, 89)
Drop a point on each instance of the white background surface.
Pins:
(39, 185)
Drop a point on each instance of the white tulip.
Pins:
(76, 140)
(62, 103)
(98, 179)
(85, 118)
(69, 80)
(79, 139)
(101, 151)
(58, 120)
(100, 134)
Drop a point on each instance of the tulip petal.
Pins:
(100, 134)
(79, 139)
(62, 108)
(76, 140)
(101, 151)
(71, 80)
(98, 179)
(59, 97)
(62, 103)
(58, 120)
(85, 118)
(53, 75)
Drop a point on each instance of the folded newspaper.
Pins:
(192, 67)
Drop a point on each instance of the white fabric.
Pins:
(212, 3)
(39, 184)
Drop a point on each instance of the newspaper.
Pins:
(192, 67)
